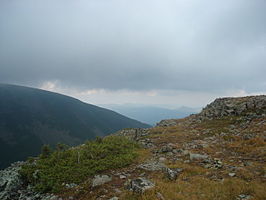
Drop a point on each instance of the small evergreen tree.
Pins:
(46, 151)
(61, 147)
(99, 139)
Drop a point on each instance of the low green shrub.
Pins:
(74, 165)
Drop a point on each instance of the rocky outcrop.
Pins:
(10, 181)
(133, 133)
(221, 107)
(13, 188)
(167, 122)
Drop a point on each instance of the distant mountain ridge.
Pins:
(151, 114)
(32, 117)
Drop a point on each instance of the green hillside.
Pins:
(32, 117)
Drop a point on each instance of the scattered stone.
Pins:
(71, 185)
(142, 174)
(162, 159)
(100, 180)
(152, 166)
(117, 191)
(232, 174)
(244, 197)
(207, 166)
(186, 152)
(140, 185)
(172, 173)
(159, 196)
(122, 177)
(195, 156)
(102, 197)
(114, 198)
(169, 154)
(176, 151)
(165, 149)
(217, 163)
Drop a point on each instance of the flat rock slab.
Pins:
(195, 156)
(100, 180)
(152, 166)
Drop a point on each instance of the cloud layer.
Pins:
(140, 45)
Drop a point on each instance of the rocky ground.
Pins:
(219, 153)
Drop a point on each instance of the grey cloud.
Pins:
(136, 45)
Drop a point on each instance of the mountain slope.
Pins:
(31, 117)
(219, 153)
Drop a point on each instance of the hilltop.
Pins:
(219, 153)
(32, 117)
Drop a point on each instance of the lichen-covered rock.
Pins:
(140, 185)
(195, 156)
(167, 122)
(244, 197)
(172, 173)
(133, 133)
(13, 188)
(152, 166)
(114, 198)
(100, 180)
(10, 181)
(166, 149)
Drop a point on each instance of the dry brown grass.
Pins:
(248, 146)
(200, 188)
(196, 182)
(143, 154)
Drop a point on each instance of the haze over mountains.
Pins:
(151, 114)
(31, 117)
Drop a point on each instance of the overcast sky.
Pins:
(171, 52)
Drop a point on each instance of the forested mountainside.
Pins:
(32, 117)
